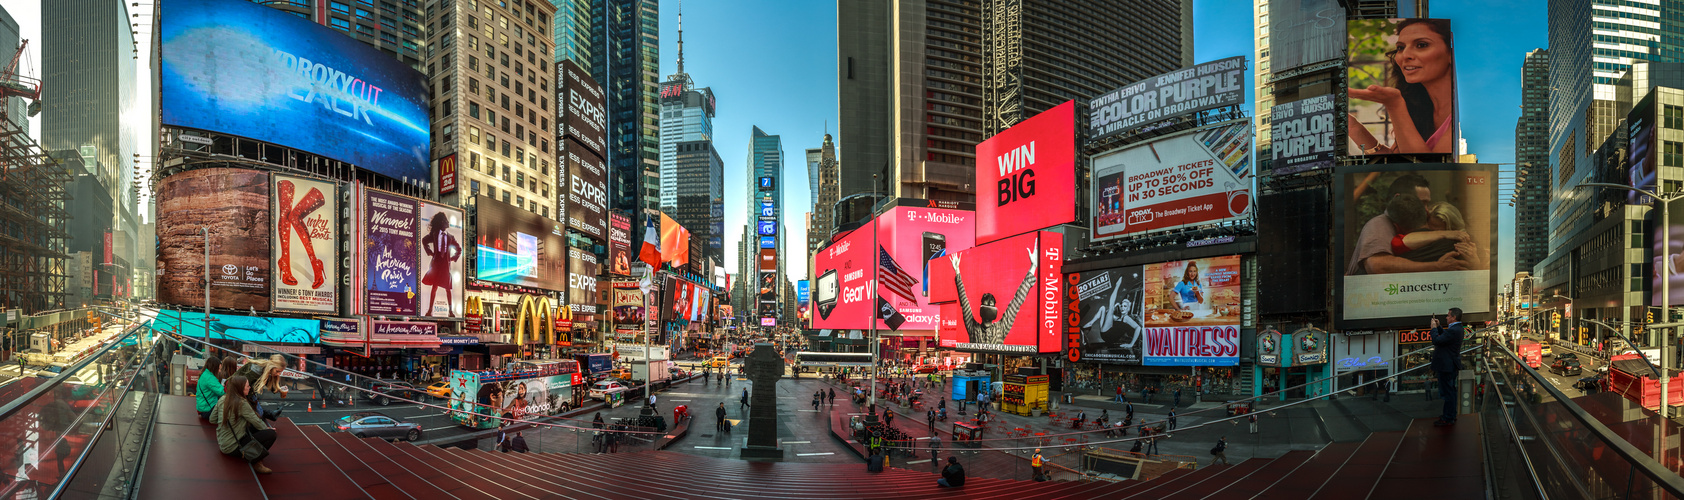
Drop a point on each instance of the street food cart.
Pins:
(1024, 394)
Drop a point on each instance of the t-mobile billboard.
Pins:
(840, 293)
(1026, 176)
(913, 238)
(1005, 296)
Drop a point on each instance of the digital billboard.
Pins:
(803, 295)
(768, 259)
(1004, 296)
(583, 108)
(1196, 177)
(235, 67)
(913, 238)
(1668, 260)
(1305, 32)
(1301, 135)
(447, 174)
(1037, 153)
(1401, 75)
(582, 269)
(839, 291)
(587, 194)
(1640, 129)
(628, 308)
(518, 247)
(1414, 240)
(442, 251)
(619, 244)
(389, 230)
(1192, 312)
(1210, 85)
(306, 244)
(231, 208)
(240, 327)
(1107, 307)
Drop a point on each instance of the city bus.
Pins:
(831, 362)
(523, 390)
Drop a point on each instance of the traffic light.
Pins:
(1555, 320)
(1650, 318)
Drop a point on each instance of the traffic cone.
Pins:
(309, 407)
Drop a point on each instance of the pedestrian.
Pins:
(1152, 446)
(889, 418)
(875, 446)
(1119, 397)
(1037, 461)
(935, 445)
(721, 425)
(744, 403)
(1146, 394)
(817, 397)
(1220, 452)
(1081, 418)
(952, 476)
(1104, 416)
(874, 461)
(503, 437)
(1172, 420)
(518, 444)
(1130, 409)
(830, 398)
(1177, 398)
(1447, 360)
(931, 415)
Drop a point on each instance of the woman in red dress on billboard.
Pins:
(443, 249)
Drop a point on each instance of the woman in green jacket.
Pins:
(210, 386)
(237, 426)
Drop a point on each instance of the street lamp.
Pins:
(1666, 281)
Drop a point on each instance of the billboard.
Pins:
(306, 244)
(768, 259)
(1040, 151)
(1302, 135)
(447, 174)
(628, 307)
(619, 244)
(582, 269)
(1104, 308)
(1192, 312)
(675, 242)
(1305, 32)
(1414, 240)
(1400, 72)
(1211, 85)
(231, 208)
(1197, 177)
(443, 278)
(240, 327)
(583, 108)
(1640, 127)
(1004, 296)
(389, 223)
(913, 238)
(234, 67)
(518, 247)
(587, 194)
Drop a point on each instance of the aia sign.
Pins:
(1030, 172)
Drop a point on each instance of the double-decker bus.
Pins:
(522, 390)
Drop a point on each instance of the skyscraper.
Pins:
(699, 201)
(572, 31)
(921, 82)
(88, 60)
(395, 27)
(1531, 156)
(825, 195)
(766, 206)
(625, 40)
(686, 116)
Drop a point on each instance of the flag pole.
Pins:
(873, 300)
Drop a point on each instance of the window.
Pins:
(505, 99)
(503, 40)
(491, 117)
(473, 63)
(447, 109)
(545, 166)
(1672, 116)
(339, 7)
(364, 14)
(505, 154)
(473, 187)
(520, 109)
(544, 145)
(473, 23)
(544, 123)
(449, 130)
(505, 197)
(473, 86)
(520, 129)
(505, 127)
(522, 88)
(520, 178)
(503, 59)
(505, 172)
(505, 82)
(520, 70)
(340, 23)
(473, 159)
(520, 157)
(365, 29)
(520, 200)
(1672, 154)
(473, 135)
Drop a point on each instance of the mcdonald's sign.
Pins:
(534, 315)
(476, 316)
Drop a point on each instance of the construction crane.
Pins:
(13, 83)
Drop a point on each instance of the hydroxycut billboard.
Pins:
(1197, 177)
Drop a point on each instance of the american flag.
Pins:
(896, 280)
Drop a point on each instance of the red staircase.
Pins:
(310, 463)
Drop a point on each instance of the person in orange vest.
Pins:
(1037, 461)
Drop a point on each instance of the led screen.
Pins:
(518, 247)
(1401, 73)
(1192, 312)
(1025, 176)
(231, 207)
(1414, 240)
(1005, 296)
(239, 68)
(1198, 177)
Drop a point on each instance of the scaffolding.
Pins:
(34, 235)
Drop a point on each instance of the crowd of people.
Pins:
(227, 397)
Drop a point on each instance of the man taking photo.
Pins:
(1447, 360)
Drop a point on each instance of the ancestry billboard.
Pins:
(1414, 240)
(229, 208)
(1211, 85)
(306, 244)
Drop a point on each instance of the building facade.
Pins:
(625, 40)
(571, 28)
(1531, 157)
(826, 192)
(766, 207)
(699, 201)
(396, 27)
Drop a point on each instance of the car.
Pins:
(676, 372)
(601, 389)
(719, 362)
(384, 392)
(1546, 350)
(924, 369)
(440, 389)
(1563, 366)
(375, 424)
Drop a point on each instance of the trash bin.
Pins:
(1069, 398)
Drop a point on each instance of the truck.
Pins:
(595, 365)
(661, 367)
(1634, 377)
(1530, 351)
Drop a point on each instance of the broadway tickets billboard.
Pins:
(441, 256)
(582, 269)
(234, 67)
(1005, 296)
(1039, 152)
(1400, 72)
(840, 292)
(1198, 177)
(518, 247)
(389, 223)
(587, 193)
(1302, 135)
(584, 110)
(306, 245)
(619, 244)
(1417, 240)
(231, 206)
(241, 327)
(1103, 316)
(1192, 312)
(1211, 85)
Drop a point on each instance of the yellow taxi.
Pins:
(720, 362)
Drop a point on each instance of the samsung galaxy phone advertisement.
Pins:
(913, 238)
(1192, 312)
(1004, 296)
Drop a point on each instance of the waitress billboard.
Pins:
(1193, 312)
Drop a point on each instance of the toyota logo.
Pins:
(230, 269)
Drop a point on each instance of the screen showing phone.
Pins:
(935, 246)
(825, 292)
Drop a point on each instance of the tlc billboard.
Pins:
(1029, 173)
(1005, 296)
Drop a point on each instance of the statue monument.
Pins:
(764, 367)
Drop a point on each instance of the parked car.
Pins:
(1563, 366)
(384, 391)
(440, 389)
(601, 389)
(376, 424)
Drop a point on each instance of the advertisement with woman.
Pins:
(474, 401)
(1402, 87)
(441, 261)
(306, 213)
(1192, 312)
(1110, 305)
(1415, 239)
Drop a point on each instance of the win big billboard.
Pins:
(1197, 177)
(1416, 240)
(239, 68)
(1026, 176)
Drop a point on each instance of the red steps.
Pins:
(1309, 477)
(1268, 474)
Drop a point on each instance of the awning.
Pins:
(494, 348)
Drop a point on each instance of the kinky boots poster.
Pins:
(305, 245)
